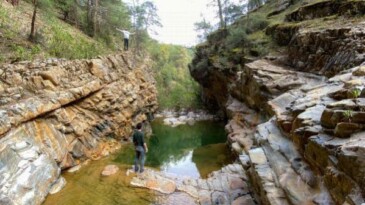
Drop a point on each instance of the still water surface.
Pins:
(193, 151)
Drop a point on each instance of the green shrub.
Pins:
(348, 115)
(201, 65)
(356, 92)
(237, 36)
(255, 23)
(20, 53)
(258, 50)
(36, 49)
(3, 16)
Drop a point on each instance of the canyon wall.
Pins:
(296, 120)
(55, 114)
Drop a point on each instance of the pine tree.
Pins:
(204, 27)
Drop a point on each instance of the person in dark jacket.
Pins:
(140, 148)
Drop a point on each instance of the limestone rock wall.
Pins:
(296, 121)
(323, 37)
(57, 113)
(327, 8)
(299, 136)
(328, 51)
(315, 121)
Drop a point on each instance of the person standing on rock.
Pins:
(140, 147)
(126, 35)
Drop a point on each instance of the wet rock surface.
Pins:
(58, 185)
(226, 186)
(58, 113)
(299, 136)
(110, 170)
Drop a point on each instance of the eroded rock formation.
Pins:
(323, 37)
(57, 113)
(296, 121)
(307, 129)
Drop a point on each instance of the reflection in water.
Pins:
(184, 166)
(211, 157)
(188, 150)
(187, 147)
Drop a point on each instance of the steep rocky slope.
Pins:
(57, 113)
(296, 117)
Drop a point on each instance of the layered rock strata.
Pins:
(299, 136)
(328, 51)
(296, 119)
(324, 37)
(56, 113)
(327, 8)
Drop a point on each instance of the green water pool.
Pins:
(193, 151)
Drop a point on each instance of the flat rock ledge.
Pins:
(226, 186)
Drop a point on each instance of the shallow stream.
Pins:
(193, 151)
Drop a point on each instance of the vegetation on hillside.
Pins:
(248, 37)
(254, 33)
(175, 86)
(85, 29)
(244, 33)
(282, 30)
(53, 38)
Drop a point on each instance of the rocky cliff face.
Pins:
(299, 134)
(324, 38)
(57, 113)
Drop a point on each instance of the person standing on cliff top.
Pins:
(126, 35)
(140, 148)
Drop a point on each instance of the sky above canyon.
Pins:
(178, 18)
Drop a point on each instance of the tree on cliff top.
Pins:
(144, 19)
(253, 4)
(228, 10)
(203, 27)
(44, 4)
